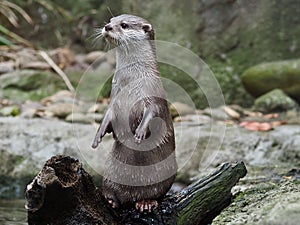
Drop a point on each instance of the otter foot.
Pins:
(114, 203)
(146, 205)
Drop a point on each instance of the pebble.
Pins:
(61, 110)
(78, 118)
(181, 109)
(97, 117)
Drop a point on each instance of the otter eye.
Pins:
(124, 25)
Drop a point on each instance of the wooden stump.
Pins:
(64, 194)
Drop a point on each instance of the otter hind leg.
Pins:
(146, 205)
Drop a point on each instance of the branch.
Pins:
(57, 70)
(64, 194)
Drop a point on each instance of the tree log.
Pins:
(63, 193)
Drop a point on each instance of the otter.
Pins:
(141, 166)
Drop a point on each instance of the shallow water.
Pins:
(12, 212)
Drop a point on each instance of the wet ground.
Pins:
(12, 212)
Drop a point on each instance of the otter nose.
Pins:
(108, 27)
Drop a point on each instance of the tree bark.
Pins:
(64, 194)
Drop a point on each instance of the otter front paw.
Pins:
(140, 134)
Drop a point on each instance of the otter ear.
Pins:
(147, 27)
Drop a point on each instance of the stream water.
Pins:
(12, 212)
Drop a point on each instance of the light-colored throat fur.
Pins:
(136, 60)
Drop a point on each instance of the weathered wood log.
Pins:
(64, 194)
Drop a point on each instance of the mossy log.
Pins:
(63, 193)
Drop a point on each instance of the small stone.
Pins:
(97, 117)
(93, 56)
(99, 107)
(28, 113)
(78, 118)
(60, 96)
(216, 113)
(197, 119)
(231, 113)
(6, 67)
(180, 109)
(61, 110)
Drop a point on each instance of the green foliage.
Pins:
(4, 41)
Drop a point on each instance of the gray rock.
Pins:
(275, 100)
(78, 118)
(97, 117)
(199, 149)
(216, 113)
(61, 110)
(195, 119)
(59, 97)
(181, 109)
(28, 113)
(264, 204)
(6, 67)
(26, 144)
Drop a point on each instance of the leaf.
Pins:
(19, 10)
(14, 36)
(4, 41)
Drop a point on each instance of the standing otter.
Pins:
(142, 166)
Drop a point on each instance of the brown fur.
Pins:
(137, 89)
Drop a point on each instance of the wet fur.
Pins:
(137, 80)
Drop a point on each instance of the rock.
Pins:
(61, 110)
(10, 111)
(275, 100)
(59, 97)
(195, 119)
(198, 148)
(78, 118)
(6, 67)
(98, 107)
(94, 56)
(264, 204)
(28, 113)
(29, 85)
(231, 113)
(216, 113)
(181, 109)
(284, 75)
(292, 117)
(26, 144)
(97, 117)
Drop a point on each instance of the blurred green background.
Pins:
(229, 35)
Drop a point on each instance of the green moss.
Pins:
(28, 84)
(265, 77)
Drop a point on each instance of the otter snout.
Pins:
(108, 27)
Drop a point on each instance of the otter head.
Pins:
(124, 29)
